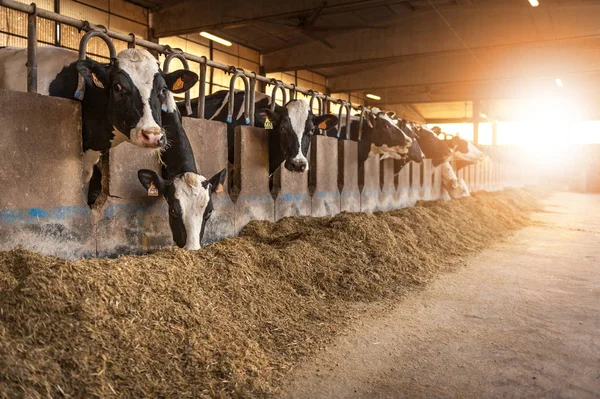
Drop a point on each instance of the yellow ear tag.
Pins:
(152, 190)
(268, 124)
(97, 81)
(178, 85)
(322, 125)
(219, 188)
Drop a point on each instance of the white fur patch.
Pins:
(456, 188)
(473, 154)
(141, 67)
(90, 158)
(298, 114)
(388, 152)
(193, 199)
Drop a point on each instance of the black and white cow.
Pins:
(440, 154)
(122, 101)
(415, 154)
(380, 135)
(463, 151)
(291, 126)
(188, 194)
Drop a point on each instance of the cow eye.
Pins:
(117, 87)
(282, 129)
(173, 212)
(163, 91)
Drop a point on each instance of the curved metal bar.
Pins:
(315, 95)
(252, 101)
(363, 112)
(202, 89)
(186, 66)
(32, 50)
(346, 106)
(293, 91)
(132, 43)
(278, 84)
(239, 73)
(80, 93)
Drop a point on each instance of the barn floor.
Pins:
(521, 320)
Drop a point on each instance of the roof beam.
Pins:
(425, 34)
(191, 17)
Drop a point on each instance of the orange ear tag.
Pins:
(219, 188)
(178, 85)
(152, 190)
(268, 124)
(97, 81)
(322, 125)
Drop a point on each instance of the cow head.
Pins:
(137, 90)
(414, 151)
(189, 196)
(464, 150)
(385, 131)
(432, 147)
(456, 188)
(295, 124)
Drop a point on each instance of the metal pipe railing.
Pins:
(132, 41)
(239, 73)
(31, 50)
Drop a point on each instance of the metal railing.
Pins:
(249, 78)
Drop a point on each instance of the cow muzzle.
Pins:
(153, 137)
(296, 165)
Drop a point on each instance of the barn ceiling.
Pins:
(411, 51)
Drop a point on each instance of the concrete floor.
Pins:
(521, 320)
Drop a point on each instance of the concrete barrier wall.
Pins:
(348, 176)
(403, 197)
(41, 203)
(209, 143)
(387, 193)
(369, 181)
(42, 208)
(292, 194)
(324, 176)
(251, 177)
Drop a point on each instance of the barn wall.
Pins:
(117, 15)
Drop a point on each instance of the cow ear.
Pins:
(181, 81)
(325, 122)
(265, 114)
(94, 73)
(152, 182)
(217, 181)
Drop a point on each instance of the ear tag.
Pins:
(164, 108)
(178, 85)
(268, 124)
(219, 189)
(97, 81)
(322, 125)
(152, 190)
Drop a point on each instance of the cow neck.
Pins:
(179, 156)
(97, 130)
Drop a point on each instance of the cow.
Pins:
(415, 154)
(440, 154)
(122, 102)
(188, 194)
(380, 136)
(290, 126)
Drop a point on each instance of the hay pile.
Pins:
(229, 320)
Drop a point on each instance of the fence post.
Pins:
(32, 50)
